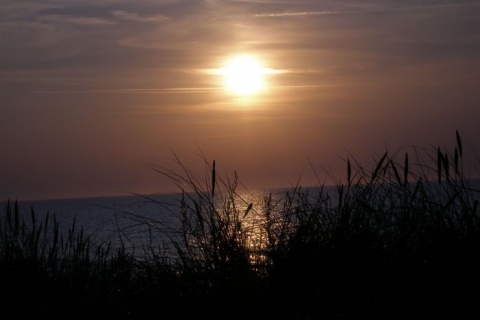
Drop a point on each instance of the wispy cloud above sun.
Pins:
(137, 17)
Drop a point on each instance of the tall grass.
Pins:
(397, 239)
(45, 270)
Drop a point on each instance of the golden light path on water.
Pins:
(231, 226)
(258, 220)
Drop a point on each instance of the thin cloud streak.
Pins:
(135, 16)
(75, 20)
(302, 13)
(124, 91)
(320, 13)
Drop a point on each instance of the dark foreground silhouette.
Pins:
(393, 242)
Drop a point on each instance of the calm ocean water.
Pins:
(134, 217)
(135, 220)
(106, 218)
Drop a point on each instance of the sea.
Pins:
(128, 221)
(133, 221)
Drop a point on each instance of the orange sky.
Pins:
(92, 93)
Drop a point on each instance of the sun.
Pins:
(244, 75)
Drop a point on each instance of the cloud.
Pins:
(365, 8)
(84, 38)
(184, 90)
(79, 20)
(292, 14)
(134, 16)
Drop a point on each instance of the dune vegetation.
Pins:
(396, 240)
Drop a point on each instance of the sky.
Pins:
(94, 95)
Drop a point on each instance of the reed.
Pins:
(213, 245)
(381, 244)
(50, 270)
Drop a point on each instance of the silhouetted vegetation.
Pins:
(400, 240)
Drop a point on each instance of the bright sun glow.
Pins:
(244, 75)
